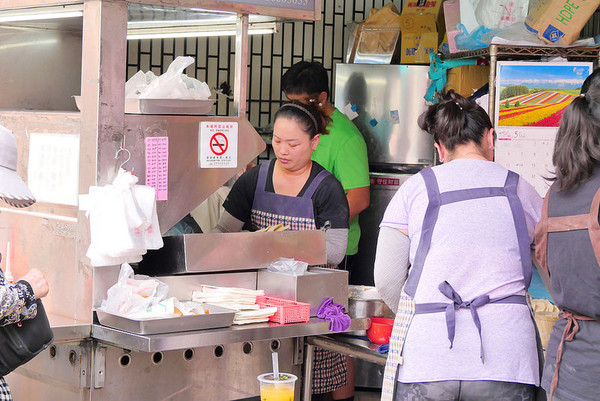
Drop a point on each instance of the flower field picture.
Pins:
(536, 94)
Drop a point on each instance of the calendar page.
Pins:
(531, 98)
(528, 152)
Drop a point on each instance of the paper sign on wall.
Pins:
(157, 165)
(218, 144)
(53, 171)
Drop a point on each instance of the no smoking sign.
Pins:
(218, 144)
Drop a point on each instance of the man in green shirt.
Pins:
(342, 152)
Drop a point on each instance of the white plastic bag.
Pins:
(498, 14)
(137, 83)
(288, 266)
(133, 295)
(173, 84)
(123, 221)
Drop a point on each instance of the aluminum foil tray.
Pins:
(217, 317)
(168, 106)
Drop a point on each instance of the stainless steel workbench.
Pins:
(211, 337)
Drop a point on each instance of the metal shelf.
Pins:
(495, 52)
(502, 51)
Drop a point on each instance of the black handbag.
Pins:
(20, 342)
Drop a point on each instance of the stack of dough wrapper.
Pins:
(242, 299)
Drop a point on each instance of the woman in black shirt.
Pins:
(292, 189)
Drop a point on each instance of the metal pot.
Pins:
(358, 308)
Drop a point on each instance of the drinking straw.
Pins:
(275, 357)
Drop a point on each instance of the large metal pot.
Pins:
(358, 308)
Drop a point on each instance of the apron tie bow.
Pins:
(571, 328)
(457, 303)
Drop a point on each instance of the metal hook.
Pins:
(128, 156)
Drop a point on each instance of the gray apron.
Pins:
(576, 300)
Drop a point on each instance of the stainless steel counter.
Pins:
(67, 330)
(203, 338)
(352, 346)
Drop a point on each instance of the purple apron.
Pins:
(407, 308)
(269, 208)
(297, 212)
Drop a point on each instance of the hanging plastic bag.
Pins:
(470, 41)
(123, 221)
(133, 294)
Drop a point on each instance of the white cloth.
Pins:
(474, 247)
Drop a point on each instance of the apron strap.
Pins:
(472, 193)
(541, 236)
(594, 226)
(315, 183)
(263, 171)
(571, 328)
(458, 303)
(512, 179)
(431, 215)
(547, 225)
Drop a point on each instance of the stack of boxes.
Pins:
(423, 28)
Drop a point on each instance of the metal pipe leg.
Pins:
(308, 370)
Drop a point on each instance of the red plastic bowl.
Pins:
(380, 330)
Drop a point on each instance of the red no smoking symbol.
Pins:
(218, 143)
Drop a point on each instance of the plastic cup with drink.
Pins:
(277, 388)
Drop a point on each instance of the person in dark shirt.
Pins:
(291, 190)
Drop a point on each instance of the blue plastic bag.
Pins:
(470, 41)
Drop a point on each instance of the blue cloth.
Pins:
(336, 314)
(537, 289)
(437, 74)
(383, 349)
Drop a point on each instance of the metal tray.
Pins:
(217, 317)
(168, 106)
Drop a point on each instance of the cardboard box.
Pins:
(423, 29)
(375, 39)
(419, 38)
(466, 79)
(433, 7)
(560, 21)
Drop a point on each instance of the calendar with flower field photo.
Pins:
(535, 94)
(530, 100)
